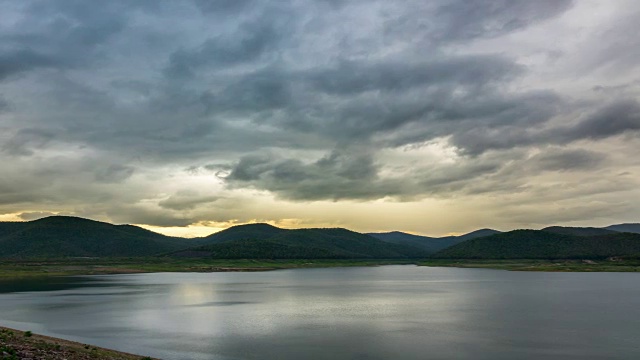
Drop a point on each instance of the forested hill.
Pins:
(430, 244)
(578, 231)
(65, 236)
(537, 244)
(269, 242)
(630, 228)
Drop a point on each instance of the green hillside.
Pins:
(630, 228)
(256, 249)
(248, 241)
(430, 244)
(578, 231)
(64, 236)
(537, 244)
(240, 232)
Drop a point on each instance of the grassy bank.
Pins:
(541, 265)
(12, 269)
(97, 266)
(15, 345)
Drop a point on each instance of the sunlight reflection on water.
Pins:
(400, 312)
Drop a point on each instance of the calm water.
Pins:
(390, 312)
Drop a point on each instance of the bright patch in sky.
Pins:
(426, 116)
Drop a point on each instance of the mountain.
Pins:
(477, 234)
(426, 243)
(242, 232)
(262, 241)
(538, 244)
(65, 236)
(630, 228)
(430, 244)
(578, 231)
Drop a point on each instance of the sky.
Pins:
(433, 117)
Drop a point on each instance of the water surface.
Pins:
(389, 312)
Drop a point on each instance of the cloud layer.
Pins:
(174, 113)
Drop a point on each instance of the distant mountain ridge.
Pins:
(246, 231)
(630, 228)
(578, 231)
(539, 244)
(430, 244)
(266, 241)
(65, 236)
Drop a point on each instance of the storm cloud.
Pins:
(162, 112)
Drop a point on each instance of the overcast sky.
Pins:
(427, 116)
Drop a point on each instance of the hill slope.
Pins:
(630, 228)
(578, 231)
(537, 244)
(64, 236)
(242, 232)
(430, 244)
(261, 241)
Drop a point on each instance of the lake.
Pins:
(388, 312)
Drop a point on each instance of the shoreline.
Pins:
(17, 344)
(17, 269)
(22, 269)
(562, 265)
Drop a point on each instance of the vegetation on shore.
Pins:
(11, 269)
(20, 269)
(16, 345)
(537, 244)
(563, 265)
(58, 245)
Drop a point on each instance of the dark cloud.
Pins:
(305, 100)
(114, 173)
(343, 101)
(336, 176)
(142, 215)
(615, 119)
(354, 174)
(617, 90)
(249, 41)
(65, 35)
(351, 77)
(610, 120)
(438, 23)
(222, 6)
(465, 20)
(186, 201)
(264, 90)
(4, 105)
(25, 141)
(568, 160)
(24, 60)
(246, 44)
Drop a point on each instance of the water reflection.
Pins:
(399, 312)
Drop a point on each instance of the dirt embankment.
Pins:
(20, 345)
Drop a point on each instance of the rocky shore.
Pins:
(21, 345)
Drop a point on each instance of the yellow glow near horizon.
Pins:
(191, 231)
(10, 217)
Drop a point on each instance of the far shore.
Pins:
(15, 269)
